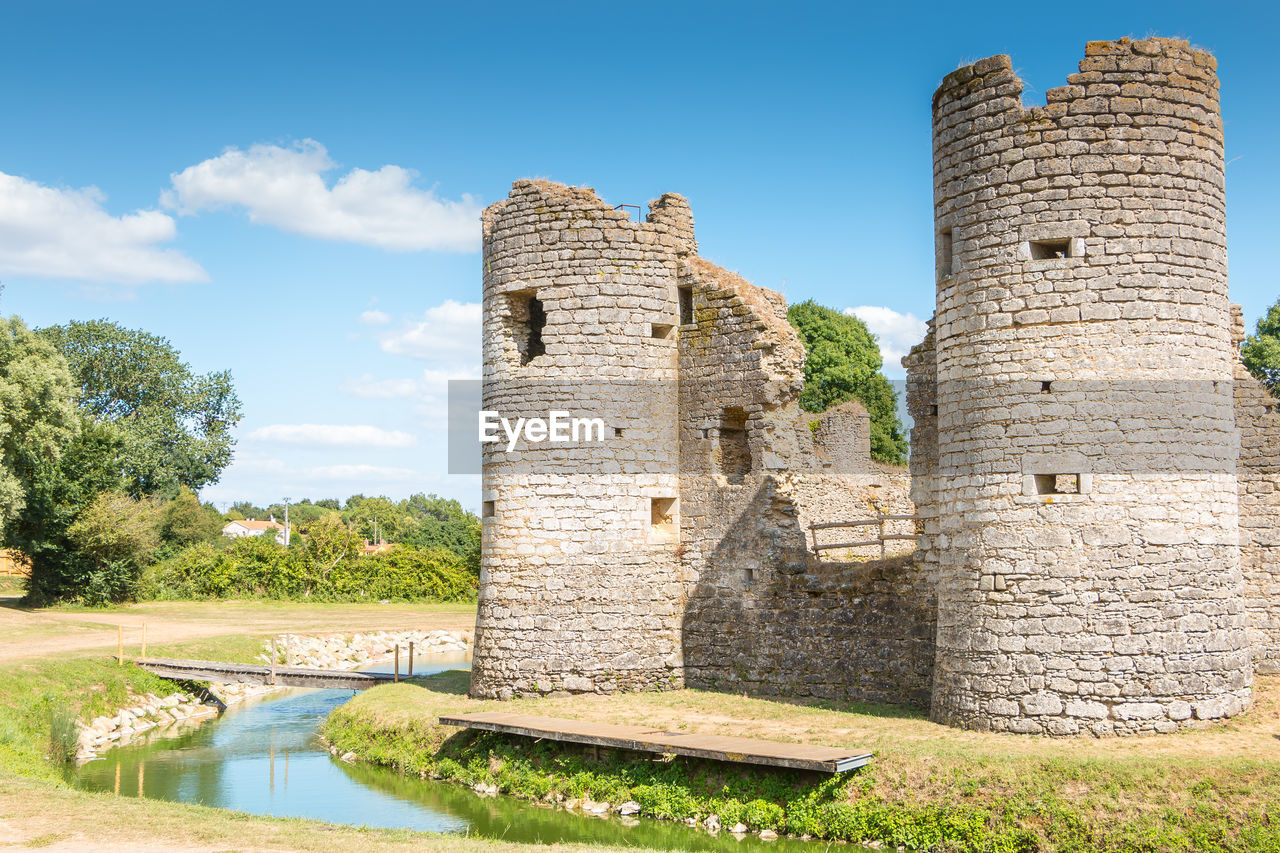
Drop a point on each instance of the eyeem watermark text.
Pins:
(556, 427)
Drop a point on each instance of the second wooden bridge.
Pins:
(250, 673)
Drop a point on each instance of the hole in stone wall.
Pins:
(1057, 484)
(662, 331)
(526, 322)
(946, 254)
(686, 305)
(1046, 386)
(662, 515)
(748, 577)
(733, 450)
(1048, 250)
(933, 410)
(617, 432)
(487, 509)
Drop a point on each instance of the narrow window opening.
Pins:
(946, 254)
(617, 432)
(526, 323)
(487, 509)
(748, 578)
(733, 449)
(1057, 484)
(662, 331)
(1046, 386)
(1048, 250)
(686, 305)
(662, 516)
(933, 410)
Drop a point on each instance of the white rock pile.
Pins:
(171, 715)
(338, 652)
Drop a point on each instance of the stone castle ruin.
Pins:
(1094, 473)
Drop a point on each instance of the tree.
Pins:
(184, 521)
(37, 413)
(1261, 351)
(117, 535)
(842, 362)
(176, 424)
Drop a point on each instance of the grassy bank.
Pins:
(41, 698)
(930, 787)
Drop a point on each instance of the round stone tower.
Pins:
(581, 586)
(1085, 489)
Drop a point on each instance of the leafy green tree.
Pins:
(117, 536)
(184, 521)
(1261, 351)
(379, 517)
(244, 509)
(842, 362)
(176, 424)
(443, 523)
(38, 417)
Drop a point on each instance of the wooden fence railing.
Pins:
(881, 539)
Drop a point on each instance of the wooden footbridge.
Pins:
(249, 673)
(798, 756)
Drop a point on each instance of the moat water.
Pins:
(266, 758)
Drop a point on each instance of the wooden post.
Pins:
(119, 645)
(411, 658)
(397, 662)
(273, 660)
(288, 655)
(144, 639)
(882, 537)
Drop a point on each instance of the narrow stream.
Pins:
(265, 758)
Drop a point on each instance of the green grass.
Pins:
(930, 788)
(41, 698)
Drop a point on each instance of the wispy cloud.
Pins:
(374, 317)
(896, 332)
(447, 333)
(329, 435)
(285, 187)
(51, 232)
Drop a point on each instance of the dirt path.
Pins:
(27, 633)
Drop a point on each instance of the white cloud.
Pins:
(47, 232)
(286, 188)
(448, 333)
(360, 474)
(374, 317)
(430, 383)
(327, 435)
(896, 332)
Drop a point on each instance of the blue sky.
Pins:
(290, 190)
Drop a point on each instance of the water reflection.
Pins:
(266, 759)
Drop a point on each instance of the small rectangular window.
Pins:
(526, 322)
(617, 432)
(686, 305)
(732, 453)
(662, 331)
(1048, 250)
(1057, 484)
(487, 509)
(662, 516)
(748, 578)
(946, 254)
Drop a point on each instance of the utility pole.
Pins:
(286, 522)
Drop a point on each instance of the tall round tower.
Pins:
(581, 586)
(1085, 488)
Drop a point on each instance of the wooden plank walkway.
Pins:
(798, 756)
(249, 673)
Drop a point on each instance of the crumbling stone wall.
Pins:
(1085, 483)
(701, 373)
(1258, 419)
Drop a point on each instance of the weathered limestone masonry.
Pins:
(1080, 463)
(675, 551)
(1258, 418)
